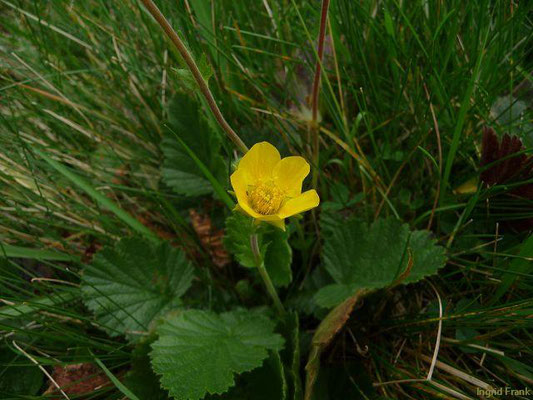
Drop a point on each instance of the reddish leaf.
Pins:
(506, 166)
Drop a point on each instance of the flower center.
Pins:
(266, 198)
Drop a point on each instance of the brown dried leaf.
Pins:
(77, 379)
(148, 220)
(210, 237)
(90, 251)
(324, 334)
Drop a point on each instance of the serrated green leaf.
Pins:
(215, 184)
(179, 171)
(333, 294)
(133, 283)
(239, 228)
(358, 256)
(290, 356)
(273, 246)
(186, 78)
(264, 383)
(199, 352)
(278, 256)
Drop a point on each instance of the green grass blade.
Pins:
(26, 308)
(98, 197)
(119, 385)
(465, 106)
(219, 190)
(520, 265)
(24, 252)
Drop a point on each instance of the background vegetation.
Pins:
(89, 91)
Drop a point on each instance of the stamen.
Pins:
(266, 198)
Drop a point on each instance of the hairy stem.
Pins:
(173, 36)
(264, 274)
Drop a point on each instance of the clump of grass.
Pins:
(407, 88)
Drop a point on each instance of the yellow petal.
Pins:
(469, 187)
(278, 223)
(259, 162)
(245, 207)
(290, 173)
(239, 186)
(238, 182)
(247, 211)
(271, 219)
(299, 204)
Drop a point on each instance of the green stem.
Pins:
(264, 274)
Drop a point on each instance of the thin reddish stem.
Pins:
(204, 89)
(316, 87)
(320, 51)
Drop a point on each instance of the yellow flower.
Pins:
(269, 188)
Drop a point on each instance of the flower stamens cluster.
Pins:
(269, 188)
(266, 198)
